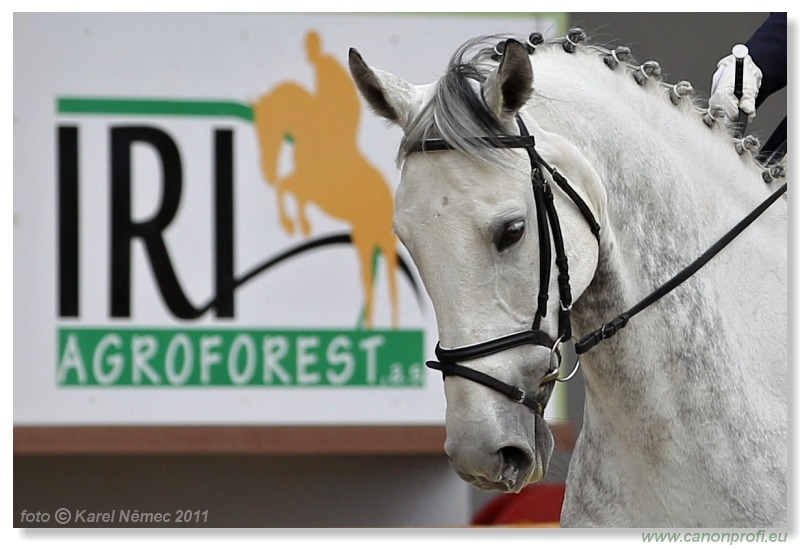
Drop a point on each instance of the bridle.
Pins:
(561, 347)
(564, 351)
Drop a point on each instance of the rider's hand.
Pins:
(722, 88)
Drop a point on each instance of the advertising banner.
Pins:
(203, 219)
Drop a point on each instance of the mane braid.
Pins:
(683, 96)
(457, 112)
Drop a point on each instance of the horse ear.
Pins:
(387, 95)
(509, 87)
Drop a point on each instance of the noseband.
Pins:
(563, 356)
(564, 352)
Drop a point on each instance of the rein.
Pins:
(564, 352)
(612, 327)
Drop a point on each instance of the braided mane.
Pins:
(457, 112)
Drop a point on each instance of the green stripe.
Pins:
(153, 107)
(214, 357)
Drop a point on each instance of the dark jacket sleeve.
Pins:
(768, 49)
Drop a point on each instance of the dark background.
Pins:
(687, 45)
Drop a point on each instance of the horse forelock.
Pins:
(457, 111)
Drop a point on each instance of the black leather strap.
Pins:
(564, 289)
(538, 184)
(562, 183)
(532, 402)
(498, 142)
(484, 349)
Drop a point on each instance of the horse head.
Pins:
(468, 216)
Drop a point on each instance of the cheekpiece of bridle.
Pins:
(563, 355)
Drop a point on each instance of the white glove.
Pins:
(722, 88)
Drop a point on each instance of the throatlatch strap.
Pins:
(562, 182)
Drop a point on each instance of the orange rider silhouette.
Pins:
(329, 170)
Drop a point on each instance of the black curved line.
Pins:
(299, 249)
(339, 238)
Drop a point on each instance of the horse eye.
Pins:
(509, 234)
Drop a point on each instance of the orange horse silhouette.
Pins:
(329, 170)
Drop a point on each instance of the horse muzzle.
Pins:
(500, 448)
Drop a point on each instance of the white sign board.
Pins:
(202, 219)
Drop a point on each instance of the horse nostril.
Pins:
(516, 462)
(515, 455)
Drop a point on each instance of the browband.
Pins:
(499, 142)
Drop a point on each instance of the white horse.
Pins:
(685, 420)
